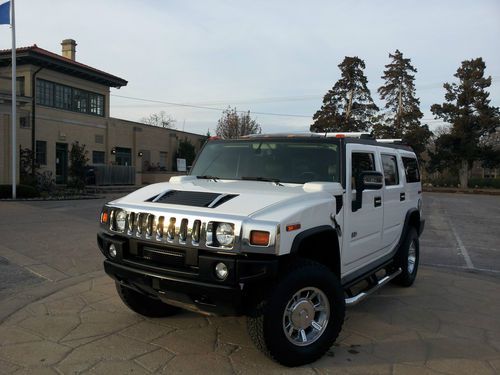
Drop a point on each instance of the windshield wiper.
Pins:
(207, 177)
(275, 180)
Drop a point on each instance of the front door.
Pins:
(362, 238)
(61, 163)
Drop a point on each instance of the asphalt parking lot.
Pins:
(56, 304)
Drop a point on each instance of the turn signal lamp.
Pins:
(292, 227)
(259, 238)
(104, 217)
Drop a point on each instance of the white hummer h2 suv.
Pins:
(286, 229)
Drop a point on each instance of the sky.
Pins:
(266, 57)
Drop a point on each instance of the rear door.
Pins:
(362, 238)
(394, 196)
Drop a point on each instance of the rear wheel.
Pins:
(407, 259)
(302, 316)
(144, 305)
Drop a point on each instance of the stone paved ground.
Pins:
(448, 323)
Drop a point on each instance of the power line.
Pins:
(205, 107)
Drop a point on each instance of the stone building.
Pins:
(60, 101)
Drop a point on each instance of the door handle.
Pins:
(402, 197)
(377, 201)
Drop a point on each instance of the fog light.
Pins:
(112, 250)
(221, 271)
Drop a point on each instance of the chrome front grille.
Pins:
(162, 228)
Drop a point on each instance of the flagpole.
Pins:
(13, 115)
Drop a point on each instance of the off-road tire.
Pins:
(144, 305)
(265, 322)
(407, 277)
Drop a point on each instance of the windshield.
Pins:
(292, 161)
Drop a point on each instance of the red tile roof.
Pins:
(36, 51)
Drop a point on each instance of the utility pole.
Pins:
(14, 109)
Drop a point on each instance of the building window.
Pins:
(55, 95)
(98, 157)
(41, 152)
(99, 139)
(123, 156)
(45, 93)
(163, 161)
(20, 86)
(24, 123)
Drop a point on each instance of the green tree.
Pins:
(403, 115)
(77, 168)
(348, 105)
(186, 151)
(233, 124)
(467, 108)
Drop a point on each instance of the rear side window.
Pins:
(391, 175)
(411, 169)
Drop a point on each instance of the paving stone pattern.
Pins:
(448, 323)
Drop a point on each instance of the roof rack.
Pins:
(359, 135)
(398, 140)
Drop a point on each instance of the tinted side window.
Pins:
(361, 161)
(391, 175)
(411, 169)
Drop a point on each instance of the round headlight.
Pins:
(225, 234)
(121, 219)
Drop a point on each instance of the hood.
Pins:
(241, 198)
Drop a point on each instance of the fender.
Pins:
(308, 233)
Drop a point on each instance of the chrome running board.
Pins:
(351, 301)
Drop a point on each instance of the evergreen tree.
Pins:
(402, 119)
(78, 163)
(467, 108)
(348, 106)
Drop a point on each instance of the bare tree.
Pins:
(160, 119)
(233, 124)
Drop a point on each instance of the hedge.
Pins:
(22, 191)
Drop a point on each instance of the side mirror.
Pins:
(366, 180)
(371, 180)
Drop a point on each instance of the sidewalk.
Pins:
(449, 322)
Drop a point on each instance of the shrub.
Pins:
(22, 191)
(484, 183)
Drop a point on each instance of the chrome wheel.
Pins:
(306, 316)
(412, 257)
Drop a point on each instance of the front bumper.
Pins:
(195, 287)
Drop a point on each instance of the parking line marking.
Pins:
(461, 246)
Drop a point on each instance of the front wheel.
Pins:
(407, 259)
(302, 316)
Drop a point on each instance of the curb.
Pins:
(427, 189)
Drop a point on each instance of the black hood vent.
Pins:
(192, 198)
